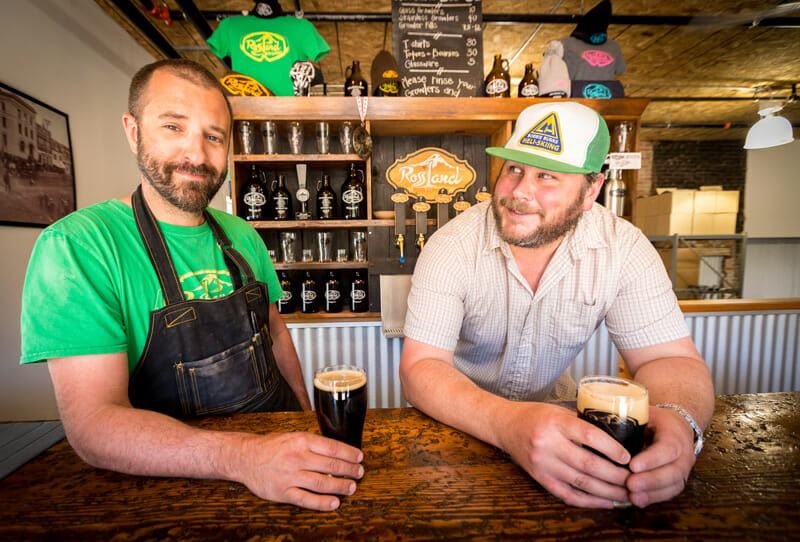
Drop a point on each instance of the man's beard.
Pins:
(545, 233)
(191, 197)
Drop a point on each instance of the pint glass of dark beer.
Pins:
(618, 406)
(340, 399)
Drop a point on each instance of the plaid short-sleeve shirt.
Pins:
(469, 297)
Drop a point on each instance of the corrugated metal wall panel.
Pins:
(749, 352)
(359, 343)
(745, 352)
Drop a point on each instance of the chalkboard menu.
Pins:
(438, 47)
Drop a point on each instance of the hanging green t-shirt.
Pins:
(90, 285)
(266, 49)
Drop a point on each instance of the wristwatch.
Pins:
(698, 434)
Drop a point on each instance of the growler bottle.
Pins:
(254, 200)
(333, 293)
(354, 196)
(529, 86)
(281, 201)
(286, 304)
(358, 294)
(326, 199)
(355, 84)
(308, 295)
(498, 83)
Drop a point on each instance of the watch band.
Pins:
(698, 434)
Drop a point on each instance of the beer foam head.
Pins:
(614, 395)
(340, 380)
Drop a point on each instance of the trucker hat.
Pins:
(562, 136)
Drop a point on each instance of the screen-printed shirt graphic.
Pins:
(205, 284)
(593, 62)
(266, 49)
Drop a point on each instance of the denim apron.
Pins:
(206, 357)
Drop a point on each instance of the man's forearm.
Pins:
(444, 393)
(685, 382)
(144, 442)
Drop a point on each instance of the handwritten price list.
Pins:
(438, 46)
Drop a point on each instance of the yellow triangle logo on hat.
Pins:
(545, 135)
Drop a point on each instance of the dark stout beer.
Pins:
(340, 399)
(618, 406)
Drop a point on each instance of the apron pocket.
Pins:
(225, 382)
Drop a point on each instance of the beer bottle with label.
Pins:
(333, 293)
(359, 301)
(254, 199)
(286, 304)
(529, 86)
(308, 295)
(326, 199)
(355, 84)
(498, 82)
(354, 196)
(281, 201)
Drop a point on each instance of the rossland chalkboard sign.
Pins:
(439, 47)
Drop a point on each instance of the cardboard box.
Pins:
(713, 223)
(708, 211)
(675, 201)
(716, 201)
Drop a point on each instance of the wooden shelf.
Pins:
(310, 266)
(329, 224)
(332, 159)
(345, 316)
(417, 116)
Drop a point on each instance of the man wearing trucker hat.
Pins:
(506, 295)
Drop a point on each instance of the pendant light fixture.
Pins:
(771, 130)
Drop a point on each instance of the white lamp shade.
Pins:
(769, 132)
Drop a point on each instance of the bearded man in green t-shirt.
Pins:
(154, 307)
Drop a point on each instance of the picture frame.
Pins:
(37, 178)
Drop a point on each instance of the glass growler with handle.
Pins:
(354, 196)
(326, 199)
(354, 83)
(529, 86)
(254, 198)
(281, 200)
(498, 82)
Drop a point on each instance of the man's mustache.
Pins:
(519, 207)
(189, 169)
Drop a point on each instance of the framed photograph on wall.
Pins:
(37, 180)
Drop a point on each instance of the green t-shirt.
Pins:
(266, 49)
(90, 285)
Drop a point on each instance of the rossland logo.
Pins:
(264, 46)
(428, 170)
(242, 85)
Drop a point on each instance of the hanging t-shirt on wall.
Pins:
(266, 49)
(593, 62)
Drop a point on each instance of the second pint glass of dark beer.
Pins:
(618, 406)
(340, 399)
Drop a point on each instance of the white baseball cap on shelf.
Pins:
(562, 136)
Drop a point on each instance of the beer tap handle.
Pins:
(442, 207)
(400, 200)
(421, 208)
(401, 244)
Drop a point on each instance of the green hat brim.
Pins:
(536, 161)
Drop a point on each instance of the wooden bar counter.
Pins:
(424, 481)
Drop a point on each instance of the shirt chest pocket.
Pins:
(573, 322)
